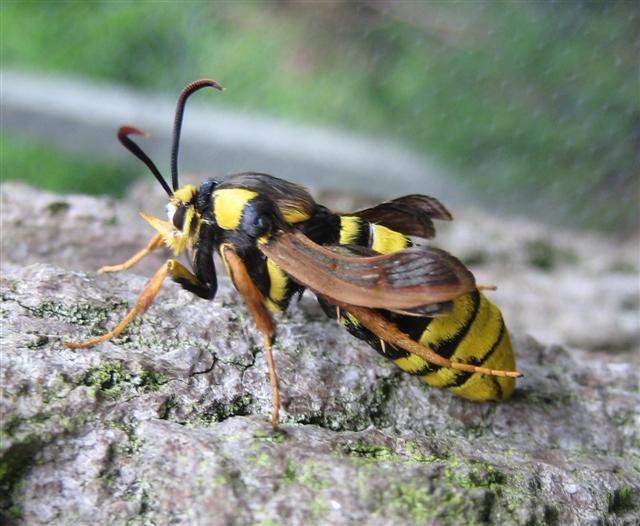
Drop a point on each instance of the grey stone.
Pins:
(169, 423)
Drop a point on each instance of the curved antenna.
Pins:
(123, 137)
(177, 123)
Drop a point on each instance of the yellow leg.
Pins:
(261, 317)
(145, 299)
(155, 243)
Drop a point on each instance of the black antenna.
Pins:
(123, 137)
(177, 123)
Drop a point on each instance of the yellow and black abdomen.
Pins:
(356, 231)
(473, 332)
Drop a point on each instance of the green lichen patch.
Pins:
(261, 460)
(131, 445)
(473, 474)
(8, 285)
(318, 508)
(416, 502)
(113, 379)
(404, 453)
(624, 500)
(363, 450)
(289, 475)
(15, 463)
(443, 489)
(37, 341)
(381, 393)
(108, 379)
(91, 315)
(167, 407)
(217, 411)
(46, 424)
(355, 416)
(153, 337)
(149, 380)
(9, 425)
(423, 502)
(309, 474)
(314, 476)
(81, 313)
(277, 436)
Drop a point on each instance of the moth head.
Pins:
(183, 222)
(181, 210)
(183, 216)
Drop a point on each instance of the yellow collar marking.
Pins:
(228, 204)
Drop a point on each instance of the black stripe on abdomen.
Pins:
(446, 348)
(463, 377)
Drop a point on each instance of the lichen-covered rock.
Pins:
(169, 423)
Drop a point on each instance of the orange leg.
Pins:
(261, 317)
(145, 299)
(178, 272)
(387, 331)
(155, 243)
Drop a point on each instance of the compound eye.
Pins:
(178, 217)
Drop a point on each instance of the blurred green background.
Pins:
(532, 106)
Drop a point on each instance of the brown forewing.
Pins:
(399, 281)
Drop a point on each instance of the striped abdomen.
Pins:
(473, 332)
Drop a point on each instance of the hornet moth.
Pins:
(416, 305)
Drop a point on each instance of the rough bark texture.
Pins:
(169, 423)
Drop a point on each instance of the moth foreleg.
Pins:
(145, 299)
(189, 281)
(155, 243)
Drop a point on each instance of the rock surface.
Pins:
(169, 422)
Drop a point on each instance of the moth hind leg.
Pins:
(386, 330)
